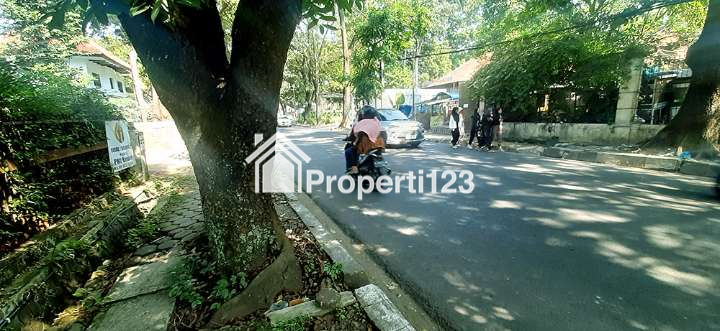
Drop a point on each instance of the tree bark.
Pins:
(347, 90)
(137, 86)
(218, 107)
(696, 126)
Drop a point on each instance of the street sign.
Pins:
(119, 148)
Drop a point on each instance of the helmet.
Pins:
(367, 112)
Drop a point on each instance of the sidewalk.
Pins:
(606, 155)
(139, 298)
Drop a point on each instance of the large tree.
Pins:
(219, 99)
(697, 124)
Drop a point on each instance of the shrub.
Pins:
(43, 109)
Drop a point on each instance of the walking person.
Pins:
(497, 128)
(486, 129)
(475, 119)
(456, 126)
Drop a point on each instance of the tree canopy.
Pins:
(580, 45)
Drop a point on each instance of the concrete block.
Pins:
(146, 312)
(354, 274)
(143, 279)
(310, 308)
(581, 155)
(552, 152)
(662, 163)
(700, 168)
(381, 310)
(625, 160)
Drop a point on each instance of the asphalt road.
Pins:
(540, 244)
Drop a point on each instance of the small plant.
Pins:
(182, 285)
(296, 324)
(333, 270)
(145, 230)
(341, 314)
(65, 254)
(225, 289)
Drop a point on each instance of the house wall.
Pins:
(88, 67)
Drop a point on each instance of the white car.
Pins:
(284, 121)
(401, 131)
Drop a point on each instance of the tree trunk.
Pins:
(347, 91)
(696, 127)
(316, 97)
(218, 107)
(137, 86)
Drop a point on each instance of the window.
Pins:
(120, 87)
(96, 80)
(112, 84)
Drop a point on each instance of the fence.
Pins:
(31, 191)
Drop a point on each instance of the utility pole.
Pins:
(415, 77)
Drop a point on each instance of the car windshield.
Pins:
(392, 115)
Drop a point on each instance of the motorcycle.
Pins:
(372, 165)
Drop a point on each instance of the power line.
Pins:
(624, 15)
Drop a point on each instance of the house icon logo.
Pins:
(281, 163)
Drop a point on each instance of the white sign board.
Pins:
(119, 148)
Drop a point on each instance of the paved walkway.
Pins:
(139, 299)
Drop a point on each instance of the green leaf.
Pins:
(58, 19)
(156, 10)
(137, 10)
(312, 24)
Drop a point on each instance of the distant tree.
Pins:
(312, 68)
(388, 33)
(581, 45)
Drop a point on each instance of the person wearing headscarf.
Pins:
(475, 133)
(366, 135)
(497, 127)
(456, 126)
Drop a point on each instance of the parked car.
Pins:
(401, 131)
(284, 121)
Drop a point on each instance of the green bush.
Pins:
(43, 109)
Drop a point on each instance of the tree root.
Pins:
(283, 274)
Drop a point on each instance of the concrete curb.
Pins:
(381, 310)
(372, 299)
(641, 161)
(355, 275)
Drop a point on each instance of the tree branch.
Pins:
(185, 62)
(261, 35)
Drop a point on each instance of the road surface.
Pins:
(540, 244)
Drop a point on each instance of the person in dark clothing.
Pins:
(456, 125)
(358, 140)
(486, 128)
(475, 128)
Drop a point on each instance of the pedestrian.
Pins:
(456, 126)
(486, 128)
(497, 128)
(475, 128)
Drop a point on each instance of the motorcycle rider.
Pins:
(367, 134)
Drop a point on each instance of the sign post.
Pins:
(119, 148)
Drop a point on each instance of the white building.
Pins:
(109, 73)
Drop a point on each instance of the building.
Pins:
(109, 73)
(456, 94)
(454, 80)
